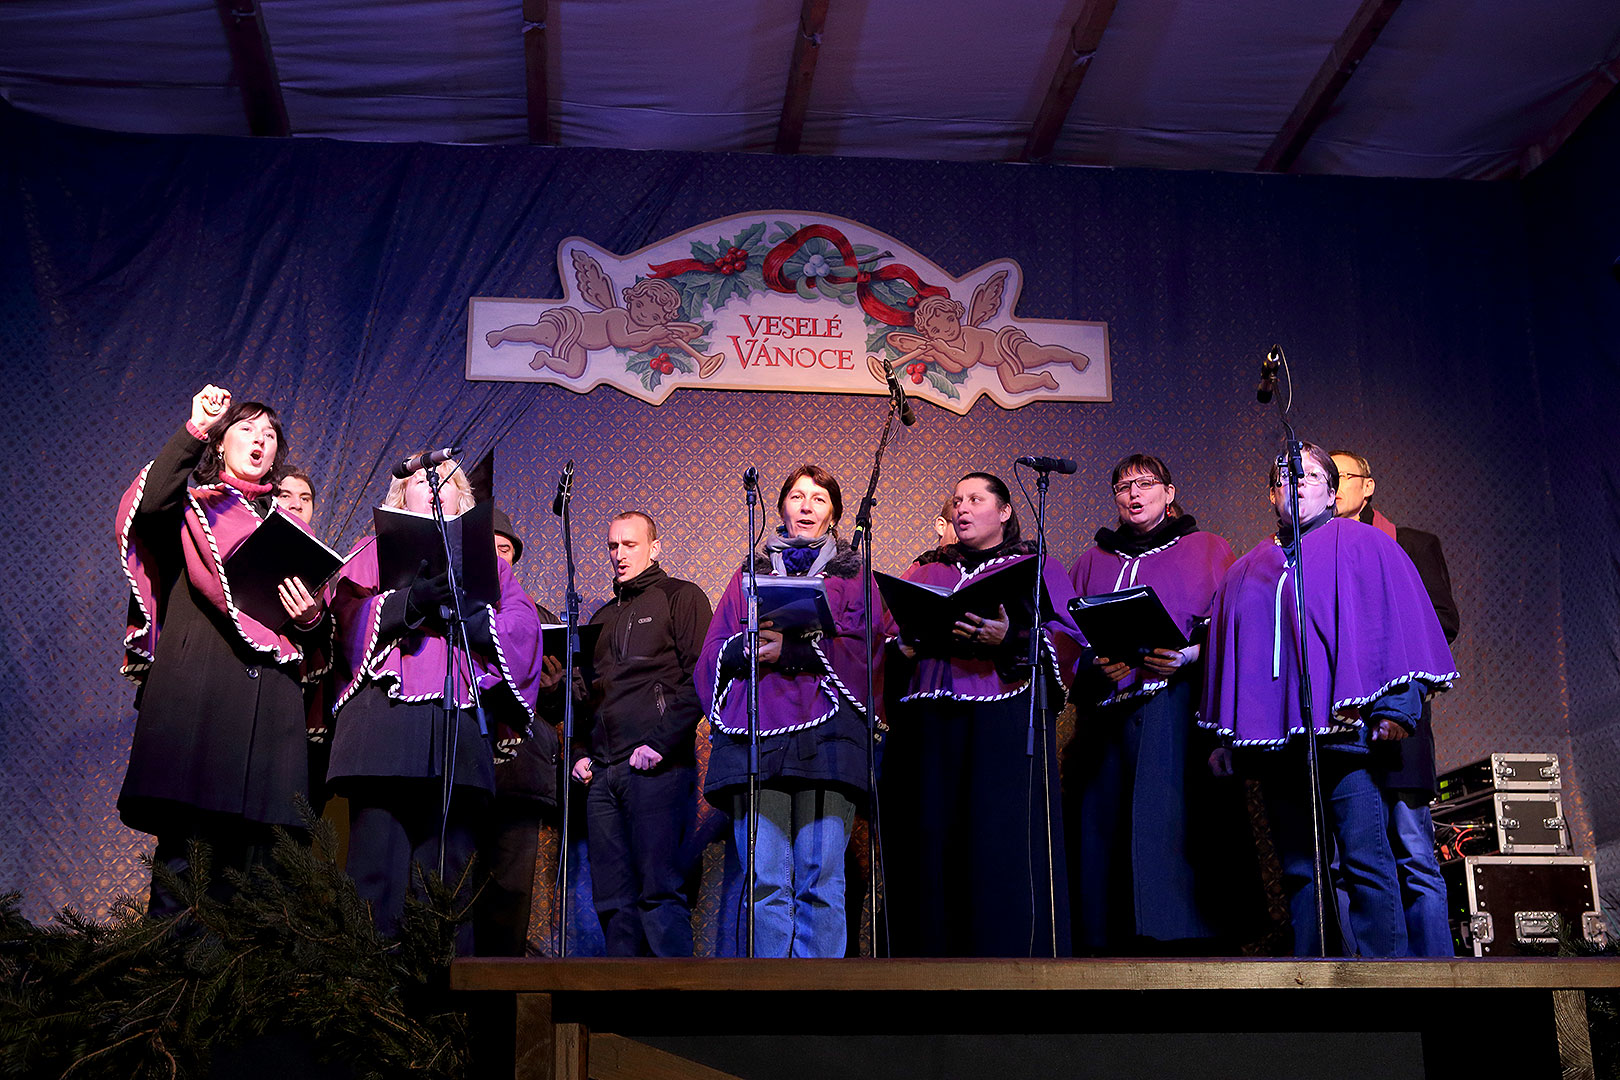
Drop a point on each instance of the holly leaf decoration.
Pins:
(749, 235)
(939, 382)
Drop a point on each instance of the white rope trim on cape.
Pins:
(219, 568)
(367, 659)
(1147, 689)
(1050, 652)
(128, 670)
(721, 693)
(1134, 562)
(1340, 721)
(312, 677)
(506, 673)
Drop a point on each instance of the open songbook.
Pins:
(279, 548)
(927, 613)
(1127, 625)
(404, 539)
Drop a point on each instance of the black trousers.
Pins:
(637, 825)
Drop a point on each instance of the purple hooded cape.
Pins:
(412, 665)
(217, 518)
(800, 700)
(1184, 573)
(1369, 627)
(978, 678)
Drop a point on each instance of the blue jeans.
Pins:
(1423, 890)
(1354, 809)
(798, 870)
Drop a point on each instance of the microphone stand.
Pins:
(1039, 706)
(455, 636)
(1295, 553)
(751, 648)
(571, 620)
(863, 543)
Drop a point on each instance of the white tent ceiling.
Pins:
(1446, 88)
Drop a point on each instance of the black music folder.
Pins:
(928, 613)
(554, 640)
(277, 549)
(404, 539)
(794, 606)
(1128, 624)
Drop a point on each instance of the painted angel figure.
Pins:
(946, 341)
(567, 335)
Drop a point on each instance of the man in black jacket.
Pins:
(1404, 769)
(638, 752)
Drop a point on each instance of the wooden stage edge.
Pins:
(586, 1019)
(548, 976)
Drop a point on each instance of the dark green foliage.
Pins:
(1602, 1006)
(294, 951)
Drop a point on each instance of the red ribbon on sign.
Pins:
(883, 312)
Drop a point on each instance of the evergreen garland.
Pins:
(294, 951)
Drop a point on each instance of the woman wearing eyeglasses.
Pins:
(1150, 858)
(1375, 650)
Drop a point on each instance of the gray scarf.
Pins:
(826, 545)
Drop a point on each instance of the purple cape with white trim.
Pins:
(977, 678)
(217, 518)
(412, 665)
(1184, 574)
(1369, 627)
(788, 702)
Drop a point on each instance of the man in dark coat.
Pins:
(1405, 769)
(637, 751)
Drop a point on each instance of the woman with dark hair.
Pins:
(812, 724)
(390, 720)
(965, 831)
(220, 746)
(1152, 860)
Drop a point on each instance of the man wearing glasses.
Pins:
(1404, 770)
(1375, 650)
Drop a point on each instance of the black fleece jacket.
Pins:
(641, 690)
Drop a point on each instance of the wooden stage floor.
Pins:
(645, 1019)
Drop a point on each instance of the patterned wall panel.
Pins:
(331, 280)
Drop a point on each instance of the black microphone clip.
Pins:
(898, 393)
(1268, 375)
(565, 488)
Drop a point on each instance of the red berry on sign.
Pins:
(916, 376)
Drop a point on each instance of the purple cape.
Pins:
(1369, 627)
(217, 518)
(788, 702)
(964, 678)
(412, 664)
(1184, 573)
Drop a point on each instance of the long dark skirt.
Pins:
(1158, 846)
(965, 839)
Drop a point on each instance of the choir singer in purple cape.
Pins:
(1158, 847)
(388, 733)
(812, 726)
(1375, 650)
(964, 825)
(220, 743)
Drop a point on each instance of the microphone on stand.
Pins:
(898, 392)
(750, 479)
(565, 488)
(1268, 375)
(1061, 465)
(427, 458)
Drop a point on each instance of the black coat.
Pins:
(219, 730)
(1408, 765)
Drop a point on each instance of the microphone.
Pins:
(898, 392)
(1268, 375)
(750, 479)
(1061, 465)
(565, 488)
(418, 462)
